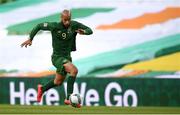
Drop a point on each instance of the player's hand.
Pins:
(26, 43)
(80, 31)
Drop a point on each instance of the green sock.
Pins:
(49, 85)
(70, 86)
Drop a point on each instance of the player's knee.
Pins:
(74, 72)
(58, 82)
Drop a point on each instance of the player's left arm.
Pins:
(83, 29)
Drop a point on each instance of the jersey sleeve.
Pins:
(87, 29)
(42, 26)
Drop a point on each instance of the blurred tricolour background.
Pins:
(125, 32)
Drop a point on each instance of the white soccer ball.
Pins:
(75, 99)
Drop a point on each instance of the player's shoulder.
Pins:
(53, 23)
(73, 22)
(50, 23)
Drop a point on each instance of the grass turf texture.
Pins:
(17, 109)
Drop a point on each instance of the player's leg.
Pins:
(72, 70)
(53, 83)
(59, 77)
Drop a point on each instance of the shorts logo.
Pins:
(45, 24)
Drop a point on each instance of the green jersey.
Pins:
(63, 39)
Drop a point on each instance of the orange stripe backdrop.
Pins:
(146, 19)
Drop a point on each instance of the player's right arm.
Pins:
(41, 26)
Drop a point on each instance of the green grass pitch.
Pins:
(17, 109)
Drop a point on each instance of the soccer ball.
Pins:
(75, 99)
